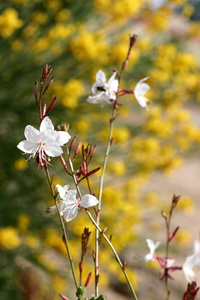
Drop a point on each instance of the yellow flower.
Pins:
(49, 264)
(59, 284)
(39, 17)
(82, 126)
(17, 45)
(63, 15)
(53, 6)
(20, 164)
(41, 44)
(69, 92)
(9, 238)
(32, 242)
(143, 45)
(152, 265)
(53, 239)
(23, 223)
(188, 10)
(118, 167)
(89, 46)
(159, 20)
(9, 22)
(178, 2)
(61, 31)
(183, 237)
(186, 204)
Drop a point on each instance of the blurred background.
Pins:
(155, 153)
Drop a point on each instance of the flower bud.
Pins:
(53, 102)
(88, 279)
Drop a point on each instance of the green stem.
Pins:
(102, 232)
(115, 254)
(166, 255)
(102, 179)
(63, 227)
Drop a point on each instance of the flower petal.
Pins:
(62, 137)
(96, 98)
(189, 274)
(142, 101)
(71, 195)
(47, 137)
(88, 201)
(140, 90)
(46, 124)
(31, 134)
(70, 214)
(62, 190)
(27, 147)
(101, 77)
(53, 150)
(148, 257)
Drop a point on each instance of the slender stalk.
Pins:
(115, 254)
(166, 255)
(63, 228)
(102, 232)
(103, 174)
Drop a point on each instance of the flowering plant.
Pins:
(48, 142)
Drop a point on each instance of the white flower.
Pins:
(197, 251)
(69, 206)
(187, 267)
(152, 246)
(140, 90)
(103, 91)
(45, 141)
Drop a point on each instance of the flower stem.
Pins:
(63, 227)
(113, 117)
(166, 255)
(102, 232)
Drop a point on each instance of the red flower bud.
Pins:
(53, 102)
(88, 279)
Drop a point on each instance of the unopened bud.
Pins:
(36, 92)
(64, 164)
(53, 178)
(84, 165)
(171, 235)
(44, 72)
(88, 279)
(76, 151)
(82, 171)
(133, 38)
(163, 214)
(93, 152)
(53, 102)
(80, 267)
(48, 85)
(83, 150)
(63, 297)
(44, 110)
(93, 171)
(72, 143)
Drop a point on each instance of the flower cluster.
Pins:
(107, 91)
(187, 267)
